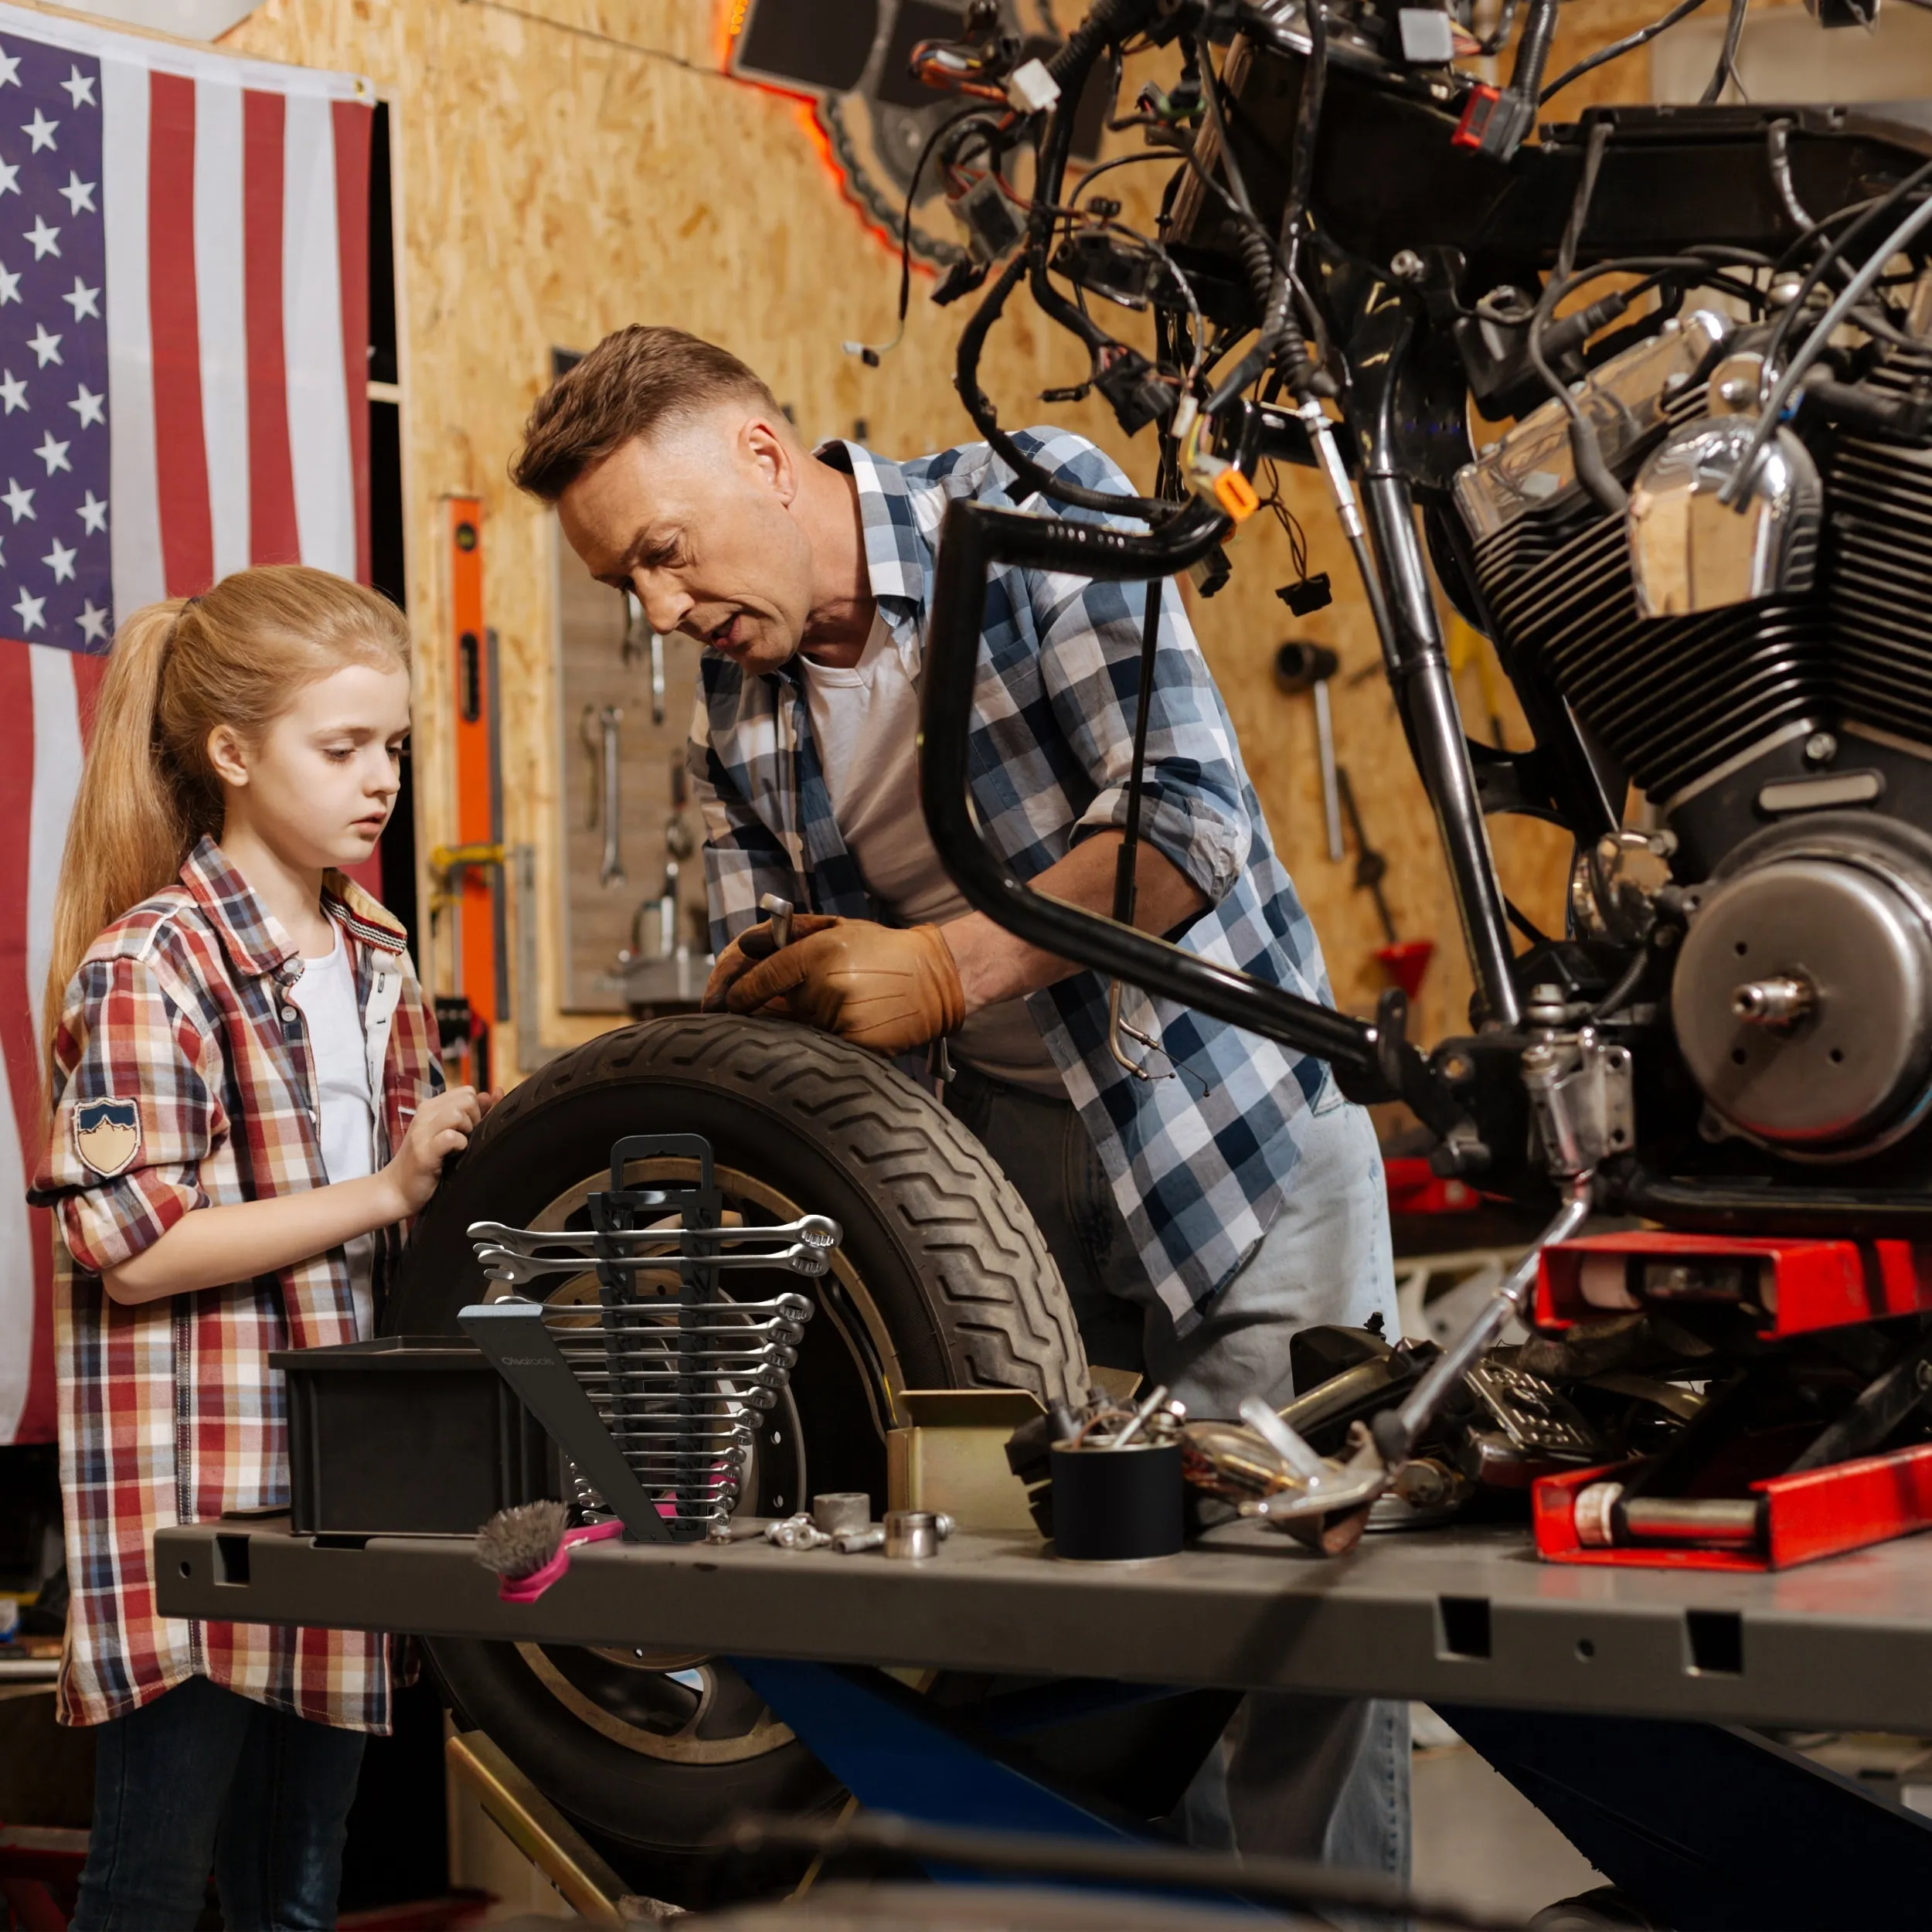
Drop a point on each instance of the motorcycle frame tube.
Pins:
(1418, 666)
(973, 537)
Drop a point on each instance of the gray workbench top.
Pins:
(1845, 1644)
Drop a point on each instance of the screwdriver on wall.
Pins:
(1308, 667)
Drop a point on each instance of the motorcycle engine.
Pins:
(1766, 678)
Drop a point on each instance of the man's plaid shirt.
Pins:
(169, 1412)
(1199, 1163)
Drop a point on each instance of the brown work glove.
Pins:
(886, 987)
(752, 945)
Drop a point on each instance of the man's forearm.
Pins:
(212, 1246)
(995, 965)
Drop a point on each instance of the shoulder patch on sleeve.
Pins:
(107, 1135)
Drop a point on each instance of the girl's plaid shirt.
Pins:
(183, 1077)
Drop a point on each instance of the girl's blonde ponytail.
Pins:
(235, 655)
(128, 834)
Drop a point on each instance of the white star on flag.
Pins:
(9, 70)
(47, 241)
(13, 391)
(79, 87)
(88, 406)
(82, 300)
(93, 514)
(18, 501)
(59, 560)
(53, 453)
(40, 131)
(78, 194)
(9, 178)
(9, 287)
(29, 610)
(45, 346)
(93, 622)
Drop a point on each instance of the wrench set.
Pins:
(653, 1392)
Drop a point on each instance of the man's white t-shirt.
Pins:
(326, 994)
(865, 721)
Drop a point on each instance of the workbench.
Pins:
(1451, 1616)
(1723, 1825)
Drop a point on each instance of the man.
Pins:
(1203, 1205)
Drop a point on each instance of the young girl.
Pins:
(244, 1104)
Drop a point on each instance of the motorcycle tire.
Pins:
(941, 1280)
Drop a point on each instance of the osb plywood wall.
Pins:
(553, 184)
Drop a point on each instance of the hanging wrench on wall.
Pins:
(611, 873)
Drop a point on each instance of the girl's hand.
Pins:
(442, 1127)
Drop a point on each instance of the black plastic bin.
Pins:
(407, 1435)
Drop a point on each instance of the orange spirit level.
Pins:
(471, 888)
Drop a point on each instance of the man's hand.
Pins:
(882, 987)
(751, 946)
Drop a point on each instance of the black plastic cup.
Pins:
(1116, 1505)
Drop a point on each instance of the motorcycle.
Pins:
(1698, 549)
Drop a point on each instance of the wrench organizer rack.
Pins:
(654, 1397)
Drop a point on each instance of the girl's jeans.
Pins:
(205, 1780)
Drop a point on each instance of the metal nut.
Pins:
(1407, 266)
(841, 1509)
(852, 1543)
(912, 1533)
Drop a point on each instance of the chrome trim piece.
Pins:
(1626, 399)
(1692, 550)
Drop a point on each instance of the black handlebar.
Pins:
(1369, 1064)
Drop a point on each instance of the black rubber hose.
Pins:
(1111, 20)
(1532, 51)
(1586, 454)
(973, 537)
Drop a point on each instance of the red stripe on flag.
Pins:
(88, 671)
(181, 452)
(17, 1042)
(352, 123)
(272, 537)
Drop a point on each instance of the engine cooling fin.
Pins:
(1673, 698)
(1879, 581)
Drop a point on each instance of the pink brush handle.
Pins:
(527, 1589)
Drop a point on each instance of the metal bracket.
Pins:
(512, 1336)
(1581, 1098)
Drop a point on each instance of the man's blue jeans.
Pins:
(1305, 1776)
(205, 1780)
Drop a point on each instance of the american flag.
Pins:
(184, 326)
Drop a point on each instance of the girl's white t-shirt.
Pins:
(326, 995)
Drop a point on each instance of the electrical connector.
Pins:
(1099, 262)
(961, 279)
(1212, 573)
(1031, 89)
(1129, 382)
(991, 221)
(1224, 486)
(1236, 495)
(1494, 122)
(1427, 38)
(1311, 594)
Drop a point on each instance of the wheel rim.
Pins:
(692, 1708)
